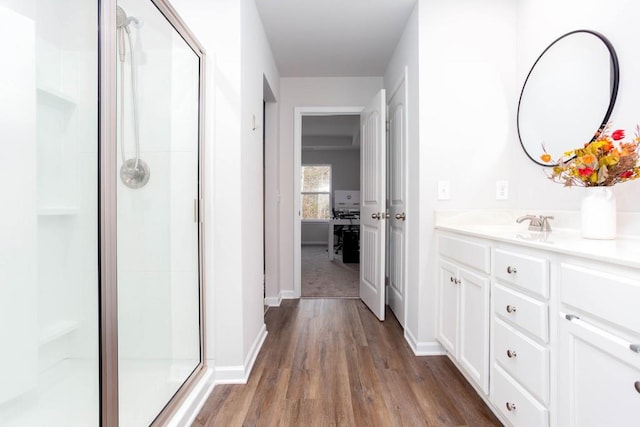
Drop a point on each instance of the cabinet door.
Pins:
(599, 377)
(448, 306)
(474, 326)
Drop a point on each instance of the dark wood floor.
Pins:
(330, 362)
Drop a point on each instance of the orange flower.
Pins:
(546, 157)
(588, 159)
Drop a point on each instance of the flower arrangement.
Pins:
(600, 162)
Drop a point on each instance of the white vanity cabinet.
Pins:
(520, 362)
(599, 340)
(564, 322)
(463, 305)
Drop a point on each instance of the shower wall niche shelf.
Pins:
(57, 330)
(56, 95)
(58, 211)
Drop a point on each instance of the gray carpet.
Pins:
(324, 278)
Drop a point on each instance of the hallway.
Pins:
(331, 362)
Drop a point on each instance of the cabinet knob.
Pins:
(511, 270)
(635, 348)
(637, 386)
(452, 279)
(511, 354)
(511, 406)
(511, 309)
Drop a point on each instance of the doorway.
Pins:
(327, 142)
(330, 199)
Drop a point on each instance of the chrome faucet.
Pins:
(537, 223)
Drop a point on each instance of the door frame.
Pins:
(299, 112)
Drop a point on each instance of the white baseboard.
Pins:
(276, 301)
(240, 374)
(255, 349)
(190, 408)
(427, 348)
(288, 295)
(273, 301)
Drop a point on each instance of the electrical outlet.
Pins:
(502, 190)
(444, 190)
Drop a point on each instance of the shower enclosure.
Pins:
(100, 228)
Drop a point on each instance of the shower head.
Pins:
(121, 17)
(123, 21)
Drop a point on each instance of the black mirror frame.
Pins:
(615, 68)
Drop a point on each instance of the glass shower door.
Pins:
(157, 219)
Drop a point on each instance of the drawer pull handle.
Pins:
(635, 348)
(511, 309)
(511, 406)
(452, 279)
(637, 386)
(570, 317)
(511, 270)
(511, 354)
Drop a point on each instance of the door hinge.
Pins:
(197, 211)
(196, 208)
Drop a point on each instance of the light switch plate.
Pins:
(444, 190)
(502, 190)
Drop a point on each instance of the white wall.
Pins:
(308, 92)
(257, 64)
(467, 120)
(471, 74)
(404, 57)
(238, 60)
(216, 24)
(615, 19)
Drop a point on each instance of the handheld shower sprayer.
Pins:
(134, 172)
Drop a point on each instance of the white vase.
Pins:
(599, 213)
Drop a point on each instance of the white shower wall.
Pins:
(18, 236)
(48, 224)
(157, 261)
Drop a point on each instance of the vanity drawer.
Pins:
(524, 271)
(472, 254)
(523, 359)
(523, 409)
(602, 294)
(523, 311)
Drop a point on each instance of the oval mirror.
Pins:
(568, 95)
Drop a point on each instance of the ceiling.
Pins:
(340, 132)
(333, 38)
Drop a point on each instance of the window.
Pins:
(316, 192)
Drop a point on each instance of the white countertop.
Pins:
(501, 226)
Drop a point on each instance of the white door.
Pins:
(397, 202)
(372, 204)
